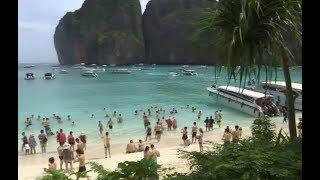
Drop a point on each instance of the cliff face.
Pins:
(167, 28)
(101, 32)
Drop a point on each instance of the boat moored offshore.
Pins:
(49, 76)
(29, 76)
(89, 73)
(251, 102)
(189, 72)
(121, 71)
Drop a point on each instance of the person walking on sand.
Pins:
(24, 140)
(184, 135)
(80, 157)
(200, 139)
(158, 130)
(106, 142)
(211, 122)
(43, 141)
(148, 132)
(60, 154)
(71, 140)
(145, 121)
(67, 157)
(100, 126)
(206, 122)
(194, 132)
(32, 143)
(235, 134)
(110, 123)
(61, 137)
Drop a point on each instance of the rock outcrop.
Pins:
(101, 32)
(168, 26)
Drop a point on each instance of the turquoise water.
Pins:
(72, 94)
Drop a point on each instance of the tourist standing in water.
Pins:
(100, 126)
(169, 123)
(145, 121)
(207, 124)
(199, 115)
(43, 141)
(211, 122)
(69, 118)
(174, 124)
(120, 120)
(114, 113)
(148, 132)
(106, 142)
(110, 123)
(194, 132)
(71, 140)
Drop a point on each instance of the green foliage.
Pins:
(103, 37)
(143, 169)
(73, 22)
(252, 158)
(263, 129)
(54, 175)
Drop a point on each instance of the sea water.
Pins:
(78, 96)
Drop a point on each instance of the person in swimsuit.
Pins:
(24, 140)
(211, 122)
(227, 136)
(80, 145)
(80, 157)
(110, 123)
(106, 142)
(169, 123)
(199, 115)
(100, 126)
(71, 141)
(32, 143)
(200, 139)
(174, 123)
(146, 152)
(136, 112)
(140, 146)
(207, 124)
(145, 121)
(83, 139)
(114, 113)
(60, 154)
(158, 130)
(184, 135)
(43, 141)
(131, 147)
(120, 120)
(194, 132)
(69, 118)
(148, 132)
(154, 153)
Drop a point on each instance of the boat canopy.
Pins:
(48, 74)
(29, 74)
(282, 84)
(245, 92)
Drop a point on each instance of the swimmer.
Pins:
(114, 113)
(72, 123)
(100, 126)
(187, 105)
(92, 115)
(39, 118)
(120, 120)
(107, 115)
(136, 112)
(199, 115)
(110, 123)
(69, 118)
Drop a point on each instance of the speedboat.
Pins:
(278, 90)
(28, 66)
(203, 67)
(251, 102)
(82, 64)
(184, 67)
(96, 70)
(147, 68)
(104, 65)
(78, 66)
(89, 73)
(63, 71)
(172, 73)
(29, 76)
(189, 72)
(112, 65)
(55, 65)
(121, 71)
(49, 76)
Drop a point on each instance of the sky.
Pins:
(37, 20)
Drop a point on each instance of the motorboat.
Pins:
(147, 68)
(28, 66)
(55, 65)
(248, 101)
(278, 90)
(172, 73)
(97, 70)
(104, 65)
(49, 76)
(189, 72)
(63, 71)
(184, 67)
(121, 71)
(202, 67)
(29, 76)
(93, 64)
(112, 65)
(78, 66)
(89, 73)
(82, 64)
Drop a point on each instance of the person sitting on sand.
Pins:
(194, 132)
(106, 142)
(148, 132)
(174, 124)
(140, 146)
(154, 153)
(52, 166)
(200, 139)
(80, 157)
(227, 136)
(169, 123)
(67, 157)
(110, 123)
(32, 143)
(184, 135)
(71, 140)
(120, 120)
(131, 147)
(60, 154)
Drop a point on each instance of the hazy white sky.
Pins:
(37, 20)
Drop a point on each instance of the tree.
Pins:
(254, 33)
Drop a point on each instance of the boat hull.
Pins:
(236, 104)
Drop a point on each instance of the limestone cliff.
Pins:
(101, 32)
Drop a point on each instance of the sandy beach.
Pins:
(31, 166)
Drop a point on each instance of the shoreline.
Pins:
(31, 166)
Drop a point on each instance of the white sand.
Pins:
(31, 166)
